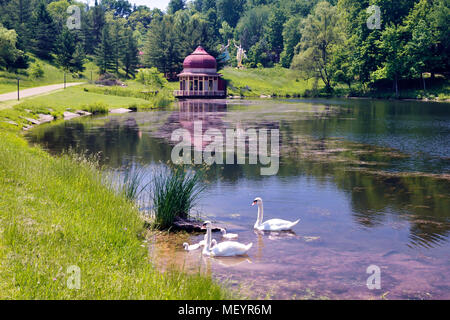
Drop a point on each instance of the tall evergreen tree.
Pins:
(44, 32)
(163, 49)
(69, 53)
(18, 16)
(96, 23)
(130, 56)
(104, 57)
(117, 44)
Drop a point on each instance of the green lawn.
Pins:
(269, 81)
(52, 75)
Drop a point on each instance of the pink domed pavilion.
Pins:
(199, 78)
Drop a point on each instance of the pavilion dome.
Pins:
(200, 59)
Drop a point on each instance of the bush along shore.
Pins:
(58, 216)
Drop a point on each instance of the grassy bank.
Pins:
(269, 82)
(283, 82)
(56, 212)
(82, 97)
(51, 75)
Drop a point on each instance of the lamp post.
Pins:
(18, 88)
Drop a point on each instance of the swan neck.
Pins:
(260, 213)
(208, 239)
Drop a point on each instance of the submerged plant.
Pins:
(174, 193)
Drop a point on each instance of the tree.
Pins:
(69, 54)
(252, 26)
(291, 37)
(230, 11)
(104, 56)
(275, 32)
(130, 56)
(44, 32)
(18, 17)
(95, 26)
(175, 6)
(121, 8)
(10, 56)
(319, 35)
(117, 42)
(391, 44)
(162, 49)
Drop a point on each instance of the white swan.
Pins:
(197, 246)
(273, 224)
(228, 236)
(223, 249)
(192, 247)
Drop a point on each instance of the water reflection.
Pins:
(344, 169)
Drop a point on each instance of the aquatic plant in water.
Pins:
(174, 192)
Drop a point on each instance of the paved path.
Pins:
(36, 91)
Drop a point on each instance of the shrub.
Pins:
(36, 70)
(151, 77)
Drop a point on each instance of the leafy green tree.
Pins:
(121, 8)
(275, 32)
(226, 31)
(291, 37)
(10, 56)
(319, 35)
(252, 26)
(391, 44)
(230, 11)
(175, 6)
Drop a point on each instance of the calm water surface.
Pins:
(368, 179)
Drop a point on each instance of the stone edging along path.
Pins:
(67, 115)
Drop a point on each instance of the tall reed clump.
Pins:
(174, 193)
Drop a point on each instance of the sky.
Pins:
(161, 4)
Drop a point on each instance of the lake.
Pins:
(370, 181)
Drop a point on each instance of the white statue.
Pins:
(240, 55)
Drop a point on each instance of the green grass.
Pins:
(52, 75)
(162, 98)
(269, 81)
(283, 82)
(174, 193)
(56, 212)
(71, 99)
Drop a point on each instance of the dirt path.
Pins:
(36, 91)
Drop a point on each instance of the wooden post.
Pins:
(18, 88)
